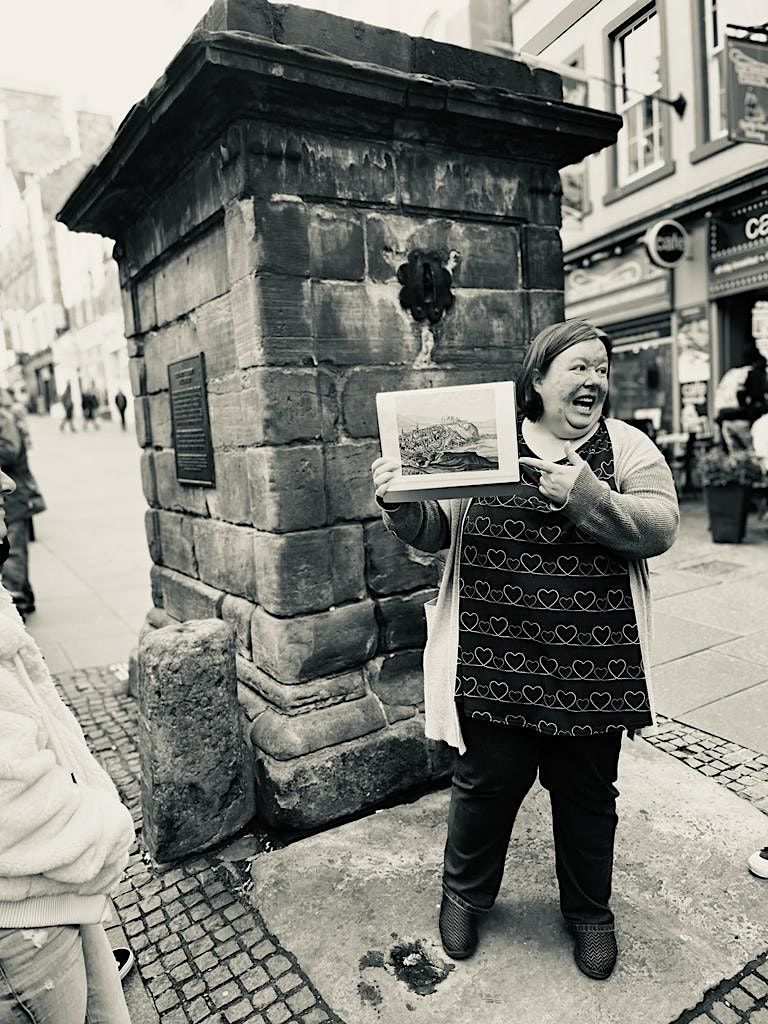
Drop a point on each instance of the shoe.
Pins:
(595, 952)
(458, 929)
(758, 863)
(124, 960)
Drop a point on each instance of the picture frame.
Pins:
(450, 442)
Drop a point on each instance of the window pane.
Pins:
(641, 56)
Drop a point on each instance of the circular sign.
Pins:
(667, 243)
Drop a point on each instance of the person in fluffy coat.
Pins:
(64, 843)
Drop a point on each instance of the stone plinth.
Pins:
(262, 197)
(196, 780)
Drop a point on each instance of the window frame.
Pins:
(666, 166)
(577, 60)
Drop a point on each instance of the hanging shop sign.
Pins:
(617, 288)
(738, 248)
(667, 243)
(747, 90)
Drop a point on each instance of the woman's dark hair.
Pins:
(546, 346)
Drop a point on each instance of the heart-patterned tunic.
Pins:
(548, 637)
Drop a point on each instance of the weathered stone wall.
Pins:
(274, 249)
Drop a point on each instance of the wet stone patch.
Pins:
(410, 963)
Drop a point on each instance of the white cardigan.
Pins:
(639, 521)
(64, 834)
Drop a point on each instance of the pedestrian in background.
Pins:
(69, 409)
(20, 506)
(64, 845)
(538, 650)
(89, 404)
(121, 402)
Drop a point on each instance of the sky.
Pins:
(106, 54)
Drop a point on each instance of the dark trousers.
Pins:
(489, 785)
(15, 572)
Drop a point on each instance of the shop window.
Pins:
(636, 49)
(574, 178)
(715, 15)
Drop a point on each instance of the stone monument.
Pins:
(285, 180)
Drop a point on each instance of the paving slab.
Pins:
(668, 582)
(674, 637)
(698, 679)
(740, 614)
(742, 717)
(358, 906)
(753, 648)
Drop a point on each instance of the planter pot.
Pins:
(728, 508)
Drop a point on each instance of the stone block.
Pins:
(267, 236)
(225, 409)
(484, 327)
(349, 482)
(451, 181)
(285, 737)
(287, 487)
(401, 620)
(146, 312)
(177, 542)
(478, 255)
(230, 499)
(392, 566)
(133, 672)
(272, 321)
(209, 329)
(300, 697)
(238, 612)
(159, 406)
(130, 322)
(152, 530)
(306, 646)
(545, 308)
(156, 585)
(362, 384)
(398, 678)
(336, 249)
(164, 346)
(194, 275)
(342, 780)
(280, 405)
(196, 787)
(142, 422)
(362, 323)
(184, 598)
(545, 197)
(225, 557)
(309, 571)
(542, 257)
(137, 373)
(171, 494)
(148, 478)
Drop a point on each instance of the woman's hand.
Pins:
(556, 481)
(384, 471)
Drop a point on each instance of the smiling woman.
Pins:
(537, 658)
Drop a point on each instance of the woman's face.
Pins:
(7, 486)
(573, 389)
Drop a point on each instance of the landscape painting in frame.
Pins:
(450, 442)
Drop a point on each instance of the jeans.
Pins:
(15, 572)
(489, 785)
(65, 974)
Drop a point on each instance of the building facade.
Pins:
(676, 330)
(60, 309)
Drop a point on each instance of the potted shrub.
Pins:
(728, 478)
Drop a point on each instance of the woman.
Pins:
(64, 842)
(538, 651)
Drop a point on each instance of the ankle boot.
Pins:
(458, 929)
(595, 952)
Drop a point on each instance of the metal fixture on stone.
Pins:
(426, 282)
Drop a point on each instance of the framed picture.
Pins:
(450, 442)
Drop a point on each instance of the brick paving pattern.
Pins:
(203, 951)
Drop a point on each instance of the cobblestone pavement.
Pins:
(203, 951)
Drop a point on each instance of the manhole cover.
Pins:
(713, 568)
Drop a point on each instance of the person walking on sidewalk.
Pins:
(69, 409)
(121, 402)
(537, 658)
(64, 845)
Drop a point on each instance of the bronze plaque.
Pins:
(190, 423)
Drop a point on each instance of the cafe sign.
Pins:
(747, 90)
(667, 243)
(738, 248)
